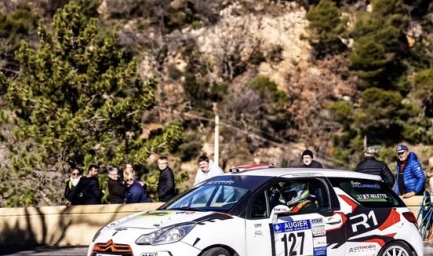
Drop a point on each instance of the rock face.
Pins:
(274, 29)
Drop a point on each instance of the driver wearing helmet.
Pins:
(298, 198)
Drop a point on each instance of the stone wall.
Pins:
(76, 226)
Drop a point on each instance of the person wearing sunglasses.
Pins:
(71, 183)
(88, 186)
(410, 176)
(135, 192)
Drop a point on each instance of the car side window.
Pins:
(259, 209)
(302, 196)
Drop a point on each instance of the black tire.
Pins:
(217, 251)
(396, 248)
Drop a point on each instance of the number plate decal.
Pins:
(149, 254)
(295, 238)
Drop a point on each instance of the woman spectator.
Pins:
(72, 182)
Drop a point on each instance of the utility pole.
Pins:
(217, 135)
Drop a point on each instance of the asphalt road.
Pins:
(74, 251)
(81, 251)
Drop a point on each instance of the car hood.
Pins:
(159, 218)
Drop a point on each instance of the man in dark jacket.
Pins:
(166, 186)
(116, 188)
(307, 160)
(89, 187)
(370, 165)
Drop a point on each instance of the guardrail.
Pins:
(59, 226)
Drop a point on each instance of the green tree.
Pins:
(74, 101)
(326, 27)
(423, 89)
(380, 45)
(14, 27)
(383, 115)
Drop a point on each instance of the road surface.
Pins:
(81, 251)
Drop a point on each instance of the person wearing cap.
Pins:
(410, 177)
(307, 160)
(370, 165)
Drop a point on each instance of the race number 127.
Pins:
(292, 239)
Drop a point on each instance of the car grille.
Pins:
(110, 247)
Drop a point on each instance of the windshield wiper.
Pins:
(185, 208)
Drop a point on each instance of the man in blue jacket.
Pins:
(410, 177)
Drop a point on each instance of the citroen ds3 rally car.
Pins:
(270, 211)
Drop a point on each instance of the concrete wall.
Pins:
(59, 226)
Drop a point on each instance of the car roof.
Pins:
(305, 172)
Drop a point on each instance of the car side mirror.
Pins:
(278, 210)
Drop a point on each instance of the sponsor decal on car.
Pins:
(357, 184)
(372, 196)
(296, 238)
(318, 230)
(317, 221)
(221, 182)
(362, 248)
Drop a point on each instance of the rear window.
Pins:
(369, 193)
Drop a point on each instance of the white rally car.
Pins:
(270, 211)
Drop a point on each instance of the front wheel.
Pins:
(396, 249)
(217, 251)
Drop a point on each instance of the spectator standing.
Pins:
(129, 170)
(166, 184)
(410, 179)
(429, 173)
(135, 192)
(207, 169)
(116, 188)
(307, 160)
(89, 187)
(72, 182)
(370, 165)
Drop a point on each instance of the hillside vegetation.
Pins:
(116, 81)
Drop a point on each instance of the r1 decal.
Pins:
(294, 238)
(362, 221)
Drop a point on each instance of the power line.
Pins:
(278, 143)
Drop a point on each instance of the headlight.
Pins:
(166, 235)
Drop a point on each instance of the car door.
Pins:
(277, 231)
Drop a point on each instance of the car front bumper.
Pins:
(111, 248)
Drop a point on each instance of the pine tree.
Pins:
(326, 27)
(74, 101)
(380, 45)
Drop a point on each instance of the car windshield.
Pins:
(369, 193)
(219, 193)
